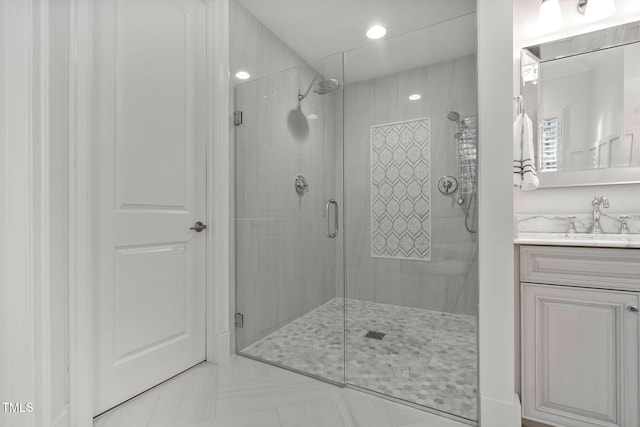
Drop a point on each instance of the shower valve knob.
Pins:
(301, 185)
(447, 184)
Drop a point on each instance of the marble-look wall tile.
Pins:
(254, 48)
(449, 282)
(284, 263)
(285, 268)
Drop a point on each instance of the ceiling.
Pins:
(319, 28)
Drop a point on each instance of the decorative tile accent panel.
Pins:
(401, 190)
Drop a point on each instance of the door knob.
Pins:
(198, 226)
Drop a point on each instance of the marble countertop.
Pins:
(551, 229)
(579, 239)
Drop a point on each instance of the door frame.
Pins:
(217, 335)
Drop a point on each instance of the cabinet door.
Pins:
(579, 356)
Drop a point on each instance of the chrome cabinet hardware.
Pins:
(633, 309)
(198, 226)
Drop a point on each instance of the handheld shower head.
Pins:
(455, 117)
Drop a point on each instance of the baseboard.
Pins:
(529, 423)
(499, 413)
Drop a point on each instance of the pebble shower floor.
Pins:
(425, 357)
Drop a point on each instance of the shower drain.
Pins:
(375, 335)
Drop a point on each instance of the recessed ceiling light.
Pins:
(376, 32)
(415, 97)
(243, 75)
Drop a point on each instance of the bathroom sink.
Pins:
(580, 239)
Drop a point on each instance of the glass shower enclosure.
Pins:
(355, 219)
(289, 263)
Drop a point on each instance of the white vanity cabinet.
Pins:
(580, 335)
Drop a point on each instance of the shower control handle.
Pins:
(331, 234)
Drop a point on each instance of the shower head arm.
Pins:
(316, 78)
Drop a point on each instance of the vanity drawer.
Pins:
(609, 268)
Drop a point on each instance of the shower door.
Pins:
(288, 218)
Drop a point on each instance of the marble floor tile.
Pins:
(188, 398)
(268, 418)
(247, 393)
(134, 413)
(317, 413)
(425, 357)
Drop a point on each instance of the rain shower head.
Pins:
(326, 86)
(323, 87)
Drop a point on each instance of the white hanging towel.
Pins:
(517, 151)
(524, 166)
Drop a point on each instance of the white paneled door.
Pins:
(149, 123)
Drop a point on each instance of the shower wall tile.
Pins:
(285, 268)
(254, 48)
(285, 265)
(449, 281)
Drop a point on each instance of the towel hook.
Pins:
(519, 104)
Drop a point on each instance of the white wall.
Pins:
(34, 230)
(17, 368)
(498, 406)
(632, 86)
(33, 209)
(608, 91)
(526, 33)
(57, 221)
(569, 91)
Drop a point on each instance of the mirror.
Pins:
(584, 93)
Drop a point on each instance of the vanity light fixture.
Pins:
(596, 9)
(415, 97)
(550, 16)
(376, 32)
(242, 75)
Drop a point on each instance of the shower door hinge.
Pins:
(237, 117)
(239, 320)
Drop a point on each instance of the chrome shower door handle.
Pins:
(333, 234)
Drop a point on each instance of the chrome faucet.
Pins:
(596, 228)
